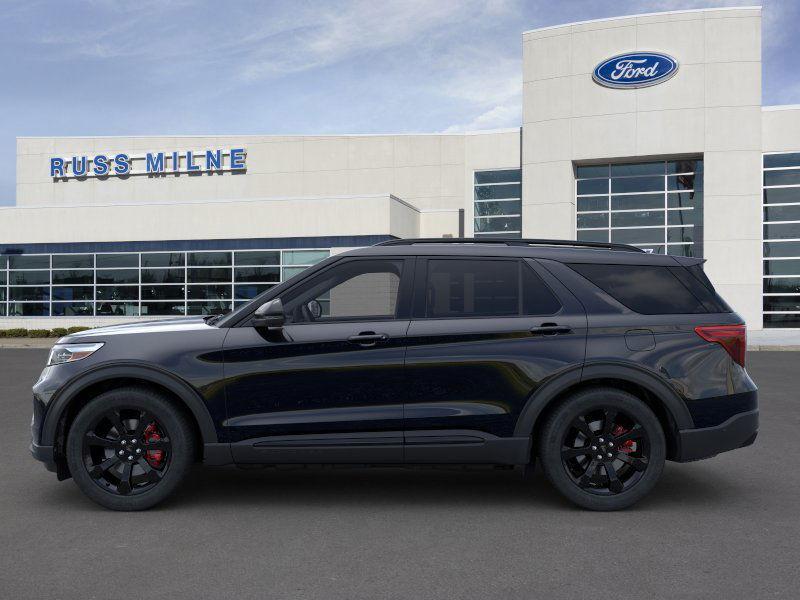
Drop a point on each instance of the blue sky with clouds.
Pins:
(152, 67)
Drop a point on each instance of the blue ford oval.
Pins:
(635, 70)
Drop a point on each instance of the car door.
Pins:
(485, 334)
(329, 386)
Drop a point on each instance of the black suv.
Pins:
(599, 360)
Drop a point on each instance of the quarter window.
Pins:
(649, 290)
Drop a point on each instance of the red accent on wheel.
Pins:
(627, 446)
(154, 457)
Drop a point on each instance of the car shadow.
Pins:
(386, 487)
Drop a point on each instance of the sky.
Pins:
(162, 67)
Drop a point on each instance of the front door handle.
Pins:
(367, 338)
(550, 329)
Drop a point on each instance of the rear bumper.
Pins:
(44, 454)
(737, 432)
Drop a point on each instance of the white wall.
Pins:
(712, 106)
(271, 218)
(432, 171)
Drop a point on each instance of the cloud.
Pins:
(498, 117)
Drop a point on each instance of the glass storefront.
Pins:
(498, 203)
(781, 301)
(143, 283)
(657, 206)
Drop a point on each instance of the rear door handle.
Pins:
(367, 338)
(550, 329)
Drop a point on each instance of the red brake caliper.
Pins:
(627, 446)
(154, 457)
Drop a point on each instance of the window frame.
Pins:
(419, 310)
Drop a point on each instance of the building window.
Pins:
(498, 203)
(131, 284)
(781, 300)
(657, 206)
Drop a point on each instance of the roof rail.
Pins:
(511, 242)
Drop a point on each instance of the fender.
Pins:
(180, 388)
(632, 372)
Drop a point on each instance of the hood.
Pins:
(163, 325)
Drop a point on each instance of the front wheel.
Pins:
(128, 449)
(603, 449)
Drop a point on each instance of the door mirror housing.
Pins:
(269, 315)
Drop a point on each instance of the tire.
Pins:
(135, 469)
(589, 427)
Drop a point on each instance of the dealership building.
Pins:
(645, 130)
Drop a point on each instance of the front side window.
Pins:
(485, 288)
(353, 290)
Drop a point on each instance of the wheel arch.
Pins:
(665, 402)
(78, 392)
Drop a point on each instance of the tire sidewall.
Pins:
(556, 428)
(181, 446)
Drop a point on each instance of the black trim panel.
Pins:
(332, 448)
(390, 447)
(45, 455)
(737, 432)
(450, 446)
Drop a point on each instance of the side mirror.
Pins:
(269, 315)
(315, 308)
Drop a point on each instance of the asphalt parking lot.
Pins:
(728, 527)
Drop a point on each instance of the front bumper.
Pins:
(45, 455)
(737, 432)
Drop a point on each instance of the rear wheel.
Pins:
(603, 449)
(128, 449)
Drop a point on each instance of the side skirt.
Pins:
(383, 448)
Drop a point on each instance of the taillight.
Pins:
(731, 337)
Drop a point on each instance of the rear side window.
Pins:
(649, 290)
(698, 283)
(485, 288)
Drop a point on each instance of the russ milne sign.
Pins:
(635, 70)
(151, 163)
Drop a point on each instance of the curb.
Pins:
(12, 343)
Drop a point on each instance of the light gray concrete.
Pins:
(728, 527)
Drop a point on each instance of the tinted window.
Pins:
(113, 261)
(73, 261)
(163, 259)
(537, 299)
(485, 288)
(361, 289)
(645, 289)
(29, 262)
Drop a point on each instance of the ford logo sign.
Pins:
(635, 70)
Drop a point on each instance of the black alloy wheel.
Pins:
(605, 451)
(129, 448)
(602, 448)
(127, 451)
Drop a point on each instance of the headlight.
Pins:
(71, 352)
